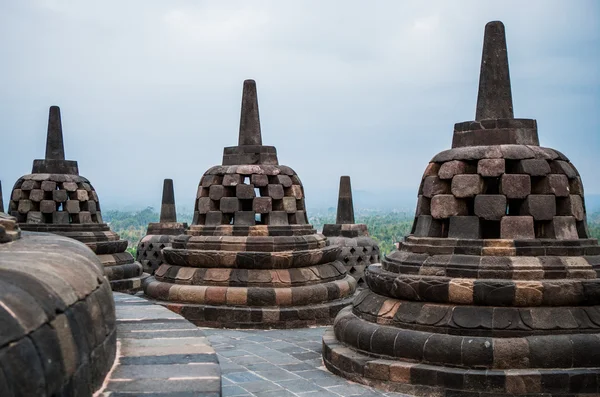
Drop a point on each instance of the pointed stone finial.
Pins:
(54, 142)
(167, 208)
(249, 119)
(1, 202)
(494, 100)
(345, 209)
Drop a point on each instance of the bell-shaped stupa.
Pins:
(250, 258)
(358, 250)
(54, 198)
(496, 291)
(161, 234)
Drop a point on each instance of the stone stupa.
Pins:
(58, 332)
(54, 198)
(161, 234)
(250, 259)
(496, 291)
(358, 250)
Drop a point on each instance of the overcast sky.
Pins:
(151, 89)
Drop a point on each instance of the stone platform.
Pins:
(160, 354)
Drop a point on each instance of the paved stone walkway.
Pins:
(279, 363)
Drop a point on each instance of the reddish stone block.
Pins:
(295, 191)
(432, 169)
(262, 205)
(467, 185)
(432, 185)
(517, 227)
(491, 167)
(47, 206)
(515, 186)
(446, 205)
(455, 167)
(232, 179)
(259, 180)
(245, 192)
(556, 184)
(490, 206)
(541, 206)
(30, 185)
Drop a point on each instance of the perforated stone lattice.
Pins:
(247, 195)
(54, 199)
(505, 191)
(355, 256)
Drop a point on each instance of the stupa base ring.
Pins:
(248, 317)
(129, 285)
(419, 379)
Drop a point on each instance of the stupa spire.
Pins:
(55, 149)
(345, 208)
(249, 118)
(494, 100)
(1, 202)
(167, 208)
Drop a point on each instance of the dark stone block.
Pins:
(541, 207)
(464, 227)
(244, 218)
(443, 349)
(410, 344)
(490, 206)
(533, 167)
(493, 293)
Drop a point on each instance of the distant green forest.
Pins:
(387, 228)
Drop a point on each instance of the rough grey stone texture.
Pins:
(57, 317)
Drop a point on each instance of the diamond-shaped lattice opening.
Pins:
(346, 260)
(352, 250)
(155, 254)
(150, 246)
(359, 259)
(162, 246)
(365, 250)
(352, 270)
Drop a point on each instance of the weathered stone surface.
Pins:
(517, 227)
(51, 291)
(467, 227)
(496, 300)
(467, 185)
(491, 167)
(490, 206)
(55, 198)
(250, 259)
(515, 186)
(541, 206)
(446, 205)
